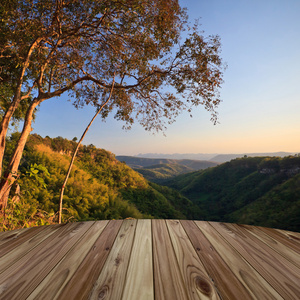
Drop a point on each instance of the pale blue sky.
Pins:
(260, 111)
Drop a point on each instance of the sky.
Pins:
(260, 109)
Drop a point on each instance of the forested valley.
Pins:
(263, 191)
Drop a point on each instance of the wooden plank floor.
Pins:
(149, 259)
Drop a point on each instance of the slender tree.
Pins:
(77, 148)
(76, 46)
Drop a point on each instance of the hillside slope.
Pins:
(261, 191)
(99, 187)
(162, 172)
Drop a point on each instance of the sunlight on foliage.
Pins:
(100, 187)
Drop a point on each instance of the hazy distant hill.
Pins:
(159, 170)
(221, 158)
(193, 156)
(140, 162)
(214, 157)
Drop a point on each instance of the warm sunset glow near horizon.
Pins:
(260, 111)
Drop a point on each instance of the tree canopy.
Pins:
(51, 47)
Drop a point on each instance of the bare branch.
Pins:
(29, 91)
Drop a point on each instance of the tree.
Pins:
(76, 46)
(104, 103)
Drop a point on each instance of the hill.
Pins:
(213, 157)
(261, 191)
(99, 187)
(142, 162)
(221, 158)
(161, 169)
(162, 172)
(193, 156)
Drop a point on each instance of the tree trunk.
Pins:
(5, 123)
(75, 152)
(11, 171)
(14, 104)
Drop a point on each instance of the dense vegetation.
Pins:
(162, 172)
(99, 187)
(255, 190)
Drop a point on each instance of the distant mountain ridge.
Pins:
(193, 156)
(221, 158)
(141, 162)
(214, 157)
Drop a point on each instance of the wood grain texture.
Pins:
(168, 280)
(13, 241)
(149, 259)
(276, 245)
(289, 239)
(196, 280)
(21, 278)
(279, 272)
(256, 285)
(111, 280)
(291, 235)
(139, 280)
(7, 236)
(81, 283)
(15, 249)
(57, 279)
(224, 280)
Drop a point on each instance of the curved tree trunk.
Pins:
(10, 174)
(75, 153)
(5, 123)
(14, 104)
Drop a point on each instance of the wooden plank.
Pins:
(168, 281)
(256, 285)
(225, 281)
(80, 285)
(12, 234)
(196, 280)
(139, 282)
(111, 280)
(21, 278)
(15, 249)
(15, 240)
(275, 244)
(286, 237)
(293, 235)
(57, 279)
(279, 272)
